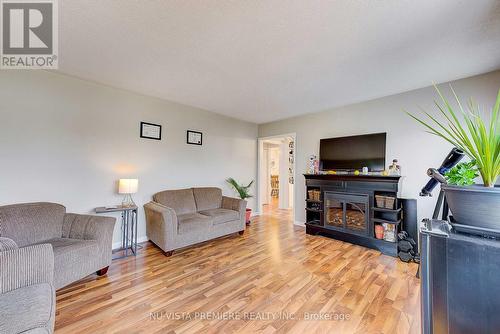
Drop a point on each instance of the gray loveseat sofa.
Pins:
(180, 218)
(81, 243)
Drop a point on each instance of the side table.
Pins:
(129, 227)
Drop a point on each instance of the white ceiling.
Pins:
(264, 60)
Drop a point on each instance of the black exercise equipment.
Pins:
(407, 248)
(437, 177)
(449, 162)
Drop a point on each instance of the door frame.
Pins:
(261, 169)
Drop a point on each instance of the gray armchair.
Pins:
(81, 243)
(27, 292)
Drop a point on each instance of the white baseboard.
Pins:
(299, 223)
(118, 244)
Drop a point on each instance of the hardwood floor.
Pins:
(274, 278)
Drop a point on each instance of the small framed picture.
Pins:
(194, 137)
(150, 131)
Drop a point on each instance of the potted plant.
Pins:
(478, 135)
(243, 193)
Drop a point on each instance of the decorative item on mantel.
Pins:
(313, 165)
(395, 169)
(128, 187)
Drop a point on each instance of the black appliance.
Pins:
(354, 152)
(459, 281)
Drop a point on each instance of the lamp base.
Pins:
(128, 201)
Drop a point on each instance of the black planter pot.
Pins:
(476, 206)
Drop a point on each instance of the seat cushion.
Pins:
(207, 198)
(27, 309)
(221, 216)
(73, 259)
(181, 200)
(193, 223)
(39, 330)
(31, 223)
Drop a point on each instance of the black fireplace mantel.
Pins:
(353, 177)
(342, 186)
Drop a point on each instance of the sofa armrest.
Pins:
(235, 204)
(90, 227)
(27, 291)
(26, 266)
(7, 244)
(161, 224)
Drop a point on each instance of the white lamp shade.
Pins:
(128, 186)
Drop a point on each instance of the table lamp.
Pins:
(128, 187)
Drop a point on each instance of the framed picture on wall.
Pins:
(194, 137)
(150, 131)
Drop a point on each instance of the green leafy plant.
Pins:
(476, 134)
(462, 174)
(243, 191)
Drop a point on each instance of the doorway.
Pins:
(277, 175)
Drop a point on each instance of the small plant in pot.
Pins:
(476, 133)
(463, 174)
(244, 193)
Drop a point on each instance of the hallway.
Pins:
(272, 210)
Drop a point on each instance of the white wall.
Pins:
(66, 140)
(415, 149)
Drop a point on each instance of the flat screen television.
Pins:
(354, 152)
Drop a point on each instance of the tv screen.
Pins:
(354, 152)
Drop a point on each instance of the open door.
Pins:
(276, 179)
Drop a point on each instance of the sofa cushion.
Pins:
(221, 216)
(207, 198)
(182, 200)
(73, 259)
(39, 330)
(192, 222)
(31, 223)
(27, 308)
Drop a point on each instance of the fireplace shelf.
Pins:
(314, 223)
(381, 221)
(313, 201)
(344, 208)
(398, 210)
(314, 210)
